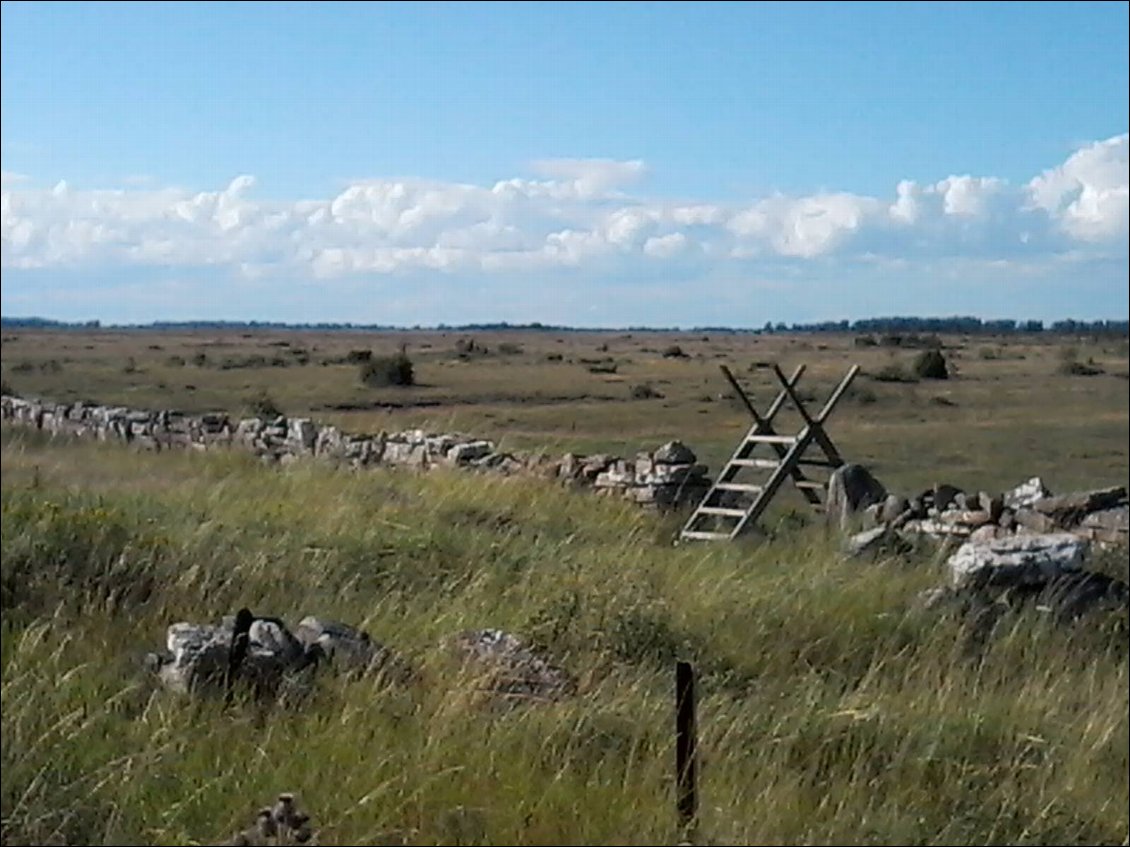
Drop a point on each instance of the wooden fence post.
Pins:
(686, 796)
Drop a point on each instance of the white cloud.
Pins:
(1087, 194)
(580, 213)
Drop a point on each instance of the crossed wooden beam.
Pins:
(728, 521)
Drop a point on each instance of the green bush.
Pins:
(383, 371)
(931, 364)
(674, 352)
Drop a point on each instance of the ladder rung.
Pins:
(755, 463)
(818, 463)
(720, 510)
(738, 486)
(772, 439)
(705, 536)
(810, 484)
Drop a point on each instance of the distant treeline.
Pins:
(951, 325)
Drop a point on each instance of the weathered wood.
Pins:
(686, 743)
(789, 450)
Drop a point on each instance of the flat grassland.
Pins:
(833, 709)
(1011, 408)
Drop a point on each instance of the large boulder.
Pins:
(1019, 560)
(851, 489)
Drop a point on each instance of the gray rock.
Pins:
(1026, 494)
(863, 542)
(1110, 526)
(303, 433)
(1033, 521)
(1072, 507)
(851, 489)
(674, 453)
(891, 508)
(1018, 560)
(350, 649)
(462, 454)
(507, 667)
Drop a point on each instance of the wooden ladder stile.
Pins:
(713, 520)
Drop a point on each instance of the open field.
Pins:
(1008, 412)
(832, 711)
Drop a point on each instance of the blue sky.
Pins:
(598, 164)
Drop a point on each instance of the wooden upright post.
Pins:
(686, 795)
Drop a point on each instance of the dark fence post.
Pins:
(240, 642)
(686, 796)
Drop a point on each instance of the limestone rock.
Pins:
(509, 668)
(462, 454)
(674, 453)
(1026, 494)
(851, 489)
(350, 649)
(1016, 560)
(1071, 507)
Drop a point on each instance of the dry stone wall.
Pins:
(663, 478)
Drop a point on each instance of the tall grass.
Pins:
(832, 710)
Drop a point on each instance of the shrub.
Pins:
(1080, 369)
(465, 348)
(931, 364)
(866, 341)
(175, 361)
(130, 366)
(262, 405)
(554, 357)
(644, 391)
(509, 348)
(6, 389)
(674, 352)
(603, 368)
(200, 360)
(382, 371)
(862, 395)
(357, 357)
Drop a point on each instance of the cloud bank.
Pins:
(570, 213)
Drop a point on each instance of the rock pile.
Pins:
(1024, 544)
(262, 655)
(282, 823)
(669, 476)
(945, 511)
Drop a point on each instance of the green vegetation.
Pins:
(831, 710)
(931, 364)
(382, 371)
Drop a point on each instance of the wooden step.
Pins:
(738, 486)
(817, 463)
(704, 536)
(771, 439)
(810, 484)
(719, 510)
(756, 463)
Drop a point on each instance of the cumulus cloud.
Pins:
(573, 213)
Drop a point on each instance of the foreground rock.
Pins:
(505, 666)
(262, 655)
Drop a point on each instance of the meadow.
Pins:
(833, 708)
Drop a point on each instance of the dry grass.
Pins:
(832, 711)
